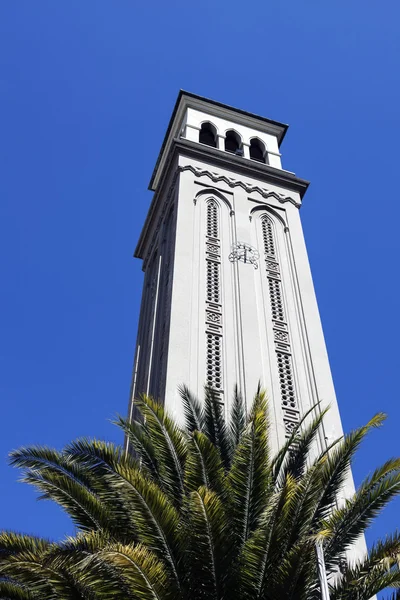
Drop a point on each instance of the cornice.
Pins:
(238, 164)
(216, 158)
(216, 178)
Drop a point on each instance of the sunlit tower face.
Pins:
(228, 296)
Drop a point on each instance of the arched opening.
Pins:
(208, 135)
(257, 150)
(233, 143)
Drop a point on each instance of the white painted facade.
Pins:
(221, 313)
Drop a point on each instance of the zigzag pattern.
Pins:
(215, 177)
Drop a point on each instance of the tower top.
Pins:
(188, 105)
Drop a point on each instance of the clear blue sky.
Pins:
(86, 91)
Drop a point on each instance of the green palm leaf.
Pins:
(256, 556)
(383, 558)
(203, 513)
(23, 559)
(283, 453)
(336, 466)
(204, 466)
(169, 444)
(153, 516)
(11, 590)
(144, 574)
(215, 427)
(297, 457)
(207, 548)
(66, 483)
(237, 421)
(249, 476)
(345, 524)
(192, 410)
(141, 443)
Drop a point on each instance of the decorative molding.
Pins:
(250, 189)
(213, 299)
(282, 343)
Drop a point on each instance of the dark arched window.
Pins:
(233, 143)
(257, 150)
(208, 135)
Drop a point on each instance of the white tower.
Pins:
(228, 295)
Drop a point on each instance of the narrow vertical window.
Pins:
(214, 375)
(283, 351)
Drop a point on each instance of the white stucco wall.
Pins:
(195, 118)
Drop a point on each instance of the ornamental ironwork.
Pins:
(244, 253)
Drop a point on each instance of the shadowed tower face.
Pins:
(228, 296)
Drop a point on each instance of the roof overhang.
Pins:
(187, 100)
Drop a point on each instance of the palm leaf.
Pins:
(11, 590)
(169, 444)
(255, 557)
(237, 421)
(284, 453)
(207, 550)
(141, 570)
(249, 476)
(335, 469)
(66, 483)
(152, 514)
(382, 558)
(141, 443)
(215, 427)
(297, 457)
(24, 561)
(204, 466)
(346, 523)
(192, 409)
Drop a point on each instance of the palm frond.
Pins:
(215, 426)
(12, 590)
(95, 579)
(237, 420)
(283, 453)
(170, 446)
(207, 550)
(84, 508)
(367, 586)
(346, 523)
(12, 543)
(141, 443)
(152, 514)
(383, 557)
(249, 476)
(33, 570)
(192, 409)
(337, 463)
(297, 457)
(204, 466)
(67, 483)
(255, 557)
(144, 574)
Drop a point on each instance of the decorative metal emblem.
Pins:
(245, 253)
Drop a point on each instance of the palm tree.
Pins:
(203, 512)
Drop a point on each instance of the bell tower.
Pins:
(228, 295)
